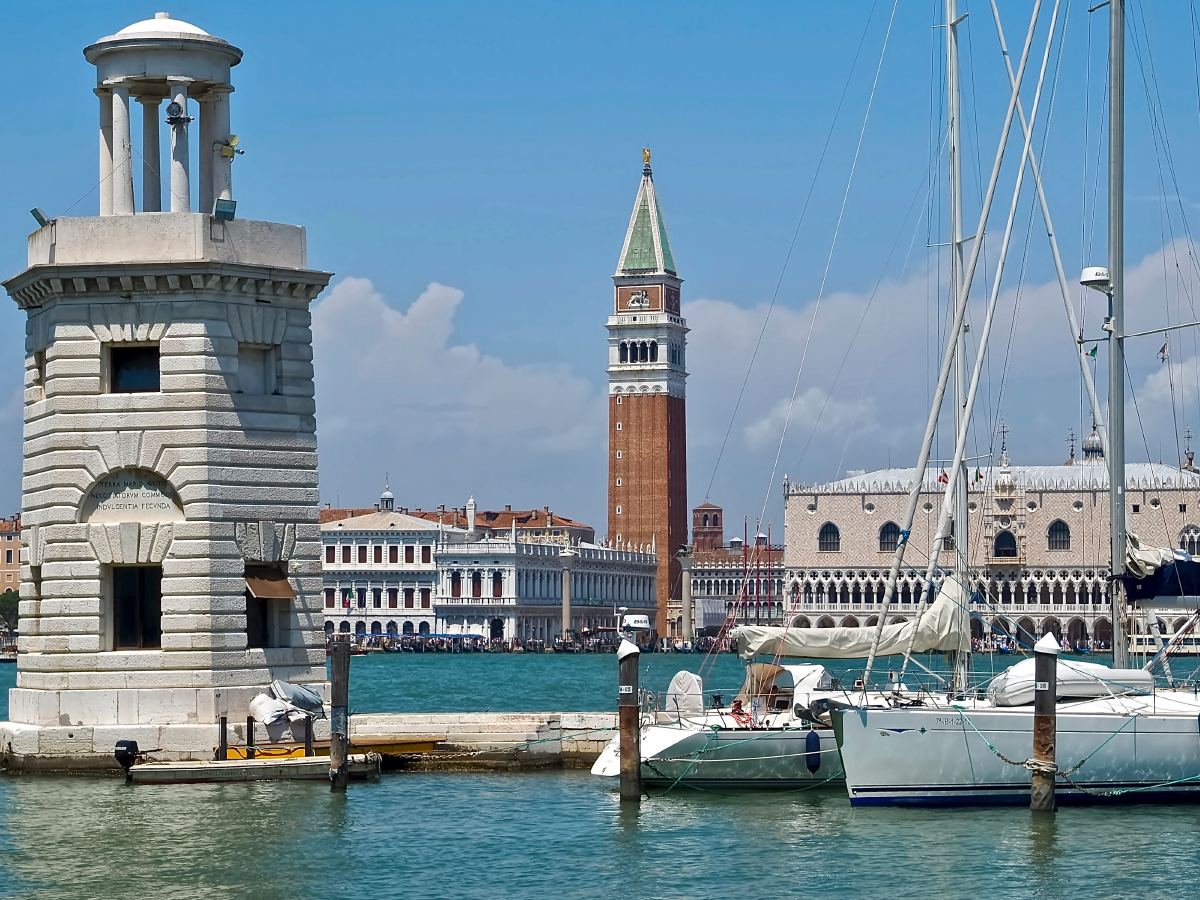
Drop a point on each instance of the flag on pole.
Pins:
(1163, 353)
(1092, 352)
(978, 474)
(943, 478)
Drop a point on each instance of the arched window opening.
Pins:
(497, 584)
(706, 520)
(1005, 546)
(829, 539)
(889, 538)
(477, 584)
(624, 352)
(654, 351)
(716, 520)
(1059, 535)
(1189, 540)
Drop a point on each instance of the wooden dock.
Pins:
(489, 740)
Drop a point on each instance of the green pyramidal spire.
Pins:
(647, 250)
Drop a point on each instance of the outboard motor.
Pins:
(126, 755)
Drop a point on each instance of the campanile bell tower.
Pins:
(647, 447)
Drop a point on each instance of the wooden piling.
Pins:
(1045, 725)
(223, 738)
(627, 721)
(251, 750)
(339, 720)
(308, 736)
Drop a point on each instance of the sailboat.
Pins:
(1118, 736)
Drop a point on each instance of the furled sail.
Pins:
(1161, 579)
(943, 627)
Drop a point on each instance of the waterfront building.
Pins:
(1037, 539)
(170, 566)
(494, 574)
(647, 438)
(740, 582)
(10, 553)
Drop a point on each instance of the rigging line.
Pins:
(792, 246)
(875, 361)
(829, 259)
(867, 308)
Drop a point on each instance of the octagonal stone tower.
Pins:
(171, 563)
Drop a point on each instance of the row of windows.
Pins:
(375, 596)
(1058, 537)
(378, 628)
(331, 553)
(456, 584)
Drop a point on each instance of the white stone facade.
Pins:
(462, 583)
(169, 454)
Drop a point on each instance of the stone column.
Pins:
(685, 562)
(106, 150)
(181, 188)
(151, 155)
(566, 558)
(208, 152)
(122, 165)
(222, 177)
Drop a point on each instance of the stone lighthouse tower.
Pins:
(647, 445)
(171, 566)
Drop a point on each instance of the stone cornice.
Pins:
(88, 282)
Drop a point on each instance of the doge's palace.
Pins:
(1037, 541)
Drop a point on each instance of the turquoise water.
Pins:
(558, 834)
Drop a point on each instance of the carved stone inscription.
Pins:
(132, 495)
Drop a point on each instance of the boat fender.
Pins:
(812, 751)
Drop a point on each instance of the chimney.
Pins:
(441, 507)
(508, 507)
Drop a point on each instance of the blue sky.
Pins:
(467, 170)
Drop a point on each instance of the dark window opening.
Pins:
(425, 605)
(425, 553)
(133, 370)
(376, 598)
(829, 539)
(362, 598)
(330, 553)
(330, 598)
(889, 538)
(269, 598)
(137, 607)
(477, 584)
(1005, 546)
(362, 553)
(346, 554)
(408, 553)
(1059, 536)
(408, 598)
(378, 554)
(624, 353)
(393, 554)
(455, 585)
(497, 585)
(392, 597)
(654, 351)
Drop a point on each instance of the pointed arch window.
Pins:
(716, 519)
(829, 539)
(889, 537)
(1059, 535)
(1005, 545)
(1189, 540)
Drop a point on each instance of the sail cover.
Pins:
(943, 627)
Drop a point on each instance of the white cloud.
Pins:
(396, 394)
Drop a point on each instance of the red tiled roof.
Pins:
(484, 518)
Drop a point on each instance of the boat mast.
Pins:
(1116, 346)
(961, 573)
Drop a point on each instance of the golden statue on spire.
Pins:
(646, 155)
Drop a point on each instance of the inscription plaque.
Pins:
(132, 496)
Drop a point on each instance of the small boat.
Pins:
(770, 737)
(363, 767)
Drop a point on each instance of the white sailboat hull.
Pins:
(1145, 748)
(730, 757)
